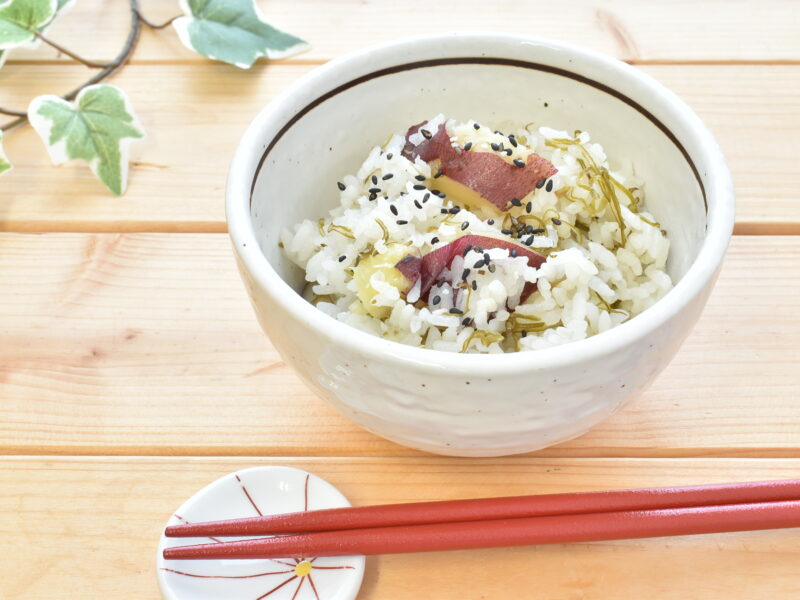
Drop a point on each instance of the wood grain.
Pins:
(714, 30)
(88, 527)
(197, 116)
(146, 344)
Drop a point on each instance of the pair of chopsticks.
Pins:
(493, 522)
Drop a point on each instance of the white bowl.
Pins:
(285, 170)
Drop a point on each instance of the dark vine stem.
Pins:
(12, 113)
(152, 25)
(107, 69)
(89, 63)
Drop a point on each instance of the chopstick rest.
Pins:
(257, 492)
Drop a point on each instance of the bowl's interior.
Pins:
(298, 177)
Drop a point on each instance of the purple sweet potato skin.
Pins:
(429, 267)
(494, 179)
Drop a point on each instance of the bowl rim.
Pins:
(719, 227)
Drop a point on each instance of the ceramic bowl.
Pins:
(285, 170)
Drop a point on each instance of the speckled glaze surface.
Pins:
(248, 493)
(472, 405)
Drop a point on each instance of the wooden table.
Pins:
(132, 370)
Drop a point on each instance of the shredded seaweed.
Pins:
(634, 207)
(385, 231)
(345, 231)
(599, 175)
(655, 224)
(486, 338)
(608, 307)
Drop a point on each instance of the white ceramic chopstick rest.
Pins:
(248, 493)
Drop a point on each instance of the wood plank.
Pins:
(146, 344)
(87, 528)
(631, 30)
(196, 116)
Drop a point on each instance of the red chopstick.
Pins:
(508, 532)
(390, 515)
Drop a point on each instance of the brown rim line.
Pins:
(479, 60)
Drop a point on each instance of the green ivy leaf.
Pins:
(62, 6)
(4, 164)
(21, 19)
(98, 128)
(232, 31)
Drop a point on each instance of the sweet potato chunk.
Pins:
(482, 181)
(429, 267)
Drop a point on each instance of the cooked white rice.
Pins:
(590, 282)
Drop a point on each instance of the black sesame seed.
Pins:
(436, 300)
(464, 225)
(393, 208)
(438, 174)
(538, 230)
(387, 176)
(516, 202)
(467, 146)
(375, 190)
(490, 222)
(540, 184)
(529, 207)
(373, 196)
(549, 187)
(417, 204)
(419, 186)
(466, 321)
(529, 241)
(435, 192)
(389, 156)
(506, 231)
(342, 258)
(455, 210)
(509, 151)
(498, 132)
(524, 333)
(486, 258)
(444, 211)
(419, 177)
(341, 186)
(434, 240)
(438, 193)
(556, 221)
(529, 229)
(467, 249)
(514, 252)
(479, 265)
(491, 268)
(474, 285)
(495, 146)
(465, 274)
(476, 126)
(513, 140)
(519, 162)
(374, 180)
(402, 222)
(456, 311)
(426, 134)
(426, 197)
